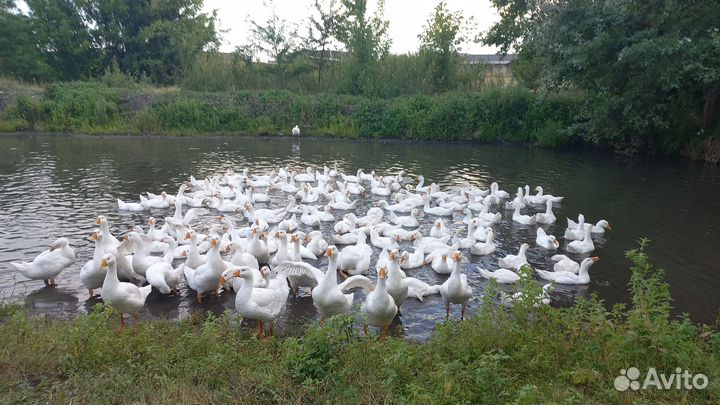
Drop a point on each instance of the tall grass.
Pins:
(107, 106)
(525, 355)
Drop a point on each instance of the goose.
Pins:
(501, 276)
(152, 232)
(309, 195)
(193, 257)
(410, 221)
(398, 233)
(130, 206)
(382, 242)
(430, 243)
(518, 201)
(140, 259)
(329, 298)
(441, 262)
(227, 206)
(50, 263)
(109, 240)
(350, 178)
(257, 247)
(566, 277)
(282, 253)
(262, 304)
(205, 278)
(546, 217)
(420, 188)
(494, 190)
(290, 187)
(455, 290)
(288, 225)
(600, 227)
(374, 216)
(376, 187)
(437, 211)
(254, 197)
(400, 287)
(582, 246)
(91, 274)
(325, 215)
(156, 202)
(546, 241)
(299, 273)
(564, 263)
(315, 243)
(342, 206)
(379, 307)
(402, 207)
(413, 260)
(487, 216)
(484, 248)
(439, 229)
(546, 197)
(345, 239)
(307, 177)
(270, 216)
(126, 298)
(481, 232)
(575, 231)
(508, 301)
(243, 258)
(309, 219)
(523, 219)
(355, 259)
(296, 131)
(164, 277)
(514, 261)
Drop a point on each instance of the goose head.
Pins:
(585, 264)
(331, 251)
(382, 273)
(108, 260)
(100, 220)
(59, 243)
(604, 224)
(457, 256)
(393, 255)
(97, 235)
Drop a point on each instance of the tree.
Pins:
(365, 39)
(153, 38)
(274, 38)
(440, 44)
(63, 38)
(320, 34)
(649, 70)
(19, 54)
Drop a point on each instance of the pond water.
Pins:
(53, 185)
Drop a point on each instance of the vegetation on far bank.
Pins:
(512, 114)
(523, 356)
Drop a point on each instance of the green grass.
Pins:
(116, 105)
(519, 356)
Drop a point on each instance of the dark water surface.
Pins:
(53, 186)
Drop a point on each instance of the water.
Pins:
(54, 186)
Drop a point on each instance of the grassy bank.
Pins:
(522, 356)
(99, 107)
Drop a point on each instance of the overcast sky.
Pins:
(406, 17)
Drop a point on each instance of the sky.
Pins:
(406, 17)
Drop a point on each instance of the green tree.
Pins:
(63, 38)
(649, 68)
(19, 54)
(440, 44)
(367, 41)
(320, 34)
(153, 38)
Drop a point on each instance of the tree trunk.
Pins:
(712, 100)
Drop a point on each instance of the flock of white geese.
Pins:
(259, 252)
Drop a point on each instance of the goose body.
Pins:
(546, 241)
(514, 261)
(456, 290)
(126, 298)
(48, 264)
(566, 277)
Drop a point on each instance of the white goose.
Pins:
(546, 241)
(523, 219)
(91, 274)
(502, 276)
(48, 264)
(262, 304)
(355, 259)
(575, 231)
(400, 287)
(413, 260)
(582, 246)
(484, 248)
(514, 261)
(379, 307)
(282, 253)
(164, 277)
(546, 217)
(566, 277)
(564, 263)
(205, 278)
(126, 298)
(299, 273)
(315, 243)
(437, 211)
(455, 290)
(410, 221)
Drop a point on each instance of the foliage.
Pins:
(365, 39)
(19, 56)
(511, 114)
(320, 34)
(440, 44)
(520, 356)
(649, 69)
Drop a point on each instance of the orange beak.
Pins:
(187, 235)
(103, 263)
(328, 252)
(93, 236)
(97, 221)
(457, 256)
(383, 272)
(52, 247)
(213, 242)
(609, 227)
(594, 258)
